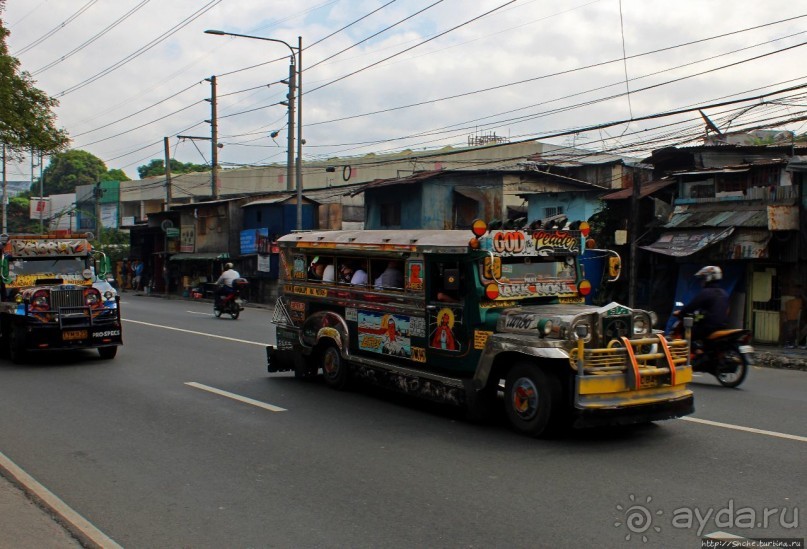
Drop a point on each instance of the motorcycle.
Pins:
(726, 354)
(231, 303)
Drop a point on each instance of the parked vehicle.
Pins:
(475, 315)
(725, 354)
(231, 303)
(51, 297)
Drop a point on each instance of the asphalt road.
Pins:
(143, 449)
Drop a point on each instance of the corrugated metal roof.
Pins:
(644, 190)
(684, 243)
(723, 217)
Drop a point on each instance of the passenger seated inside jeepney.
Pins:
(353, 272)
(391, 277)
(316, 271)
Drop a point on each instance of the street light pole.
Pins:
(295, 85)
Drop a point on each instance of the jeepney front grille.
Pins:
(66, 298)
(617, 326)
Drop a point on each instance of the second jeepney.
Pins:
(52, 297)
(473, 316)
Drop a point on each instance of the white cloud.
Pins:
(522, 41)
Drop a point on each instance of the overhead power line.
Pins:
(141, 50)
(95, 37)
(56, 29)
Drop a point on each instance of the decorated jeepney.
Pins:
(48, 300)
(472, 316)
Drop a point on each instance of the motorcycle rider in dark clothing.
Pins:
(710, 307)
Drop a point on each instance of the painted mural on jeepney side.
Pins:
(414, 279)
(384, 333)
(443, 329)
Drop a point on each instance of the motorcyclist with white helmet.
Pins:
(710, 307)
(225, 281)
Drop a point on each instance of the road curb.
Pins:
(79, 527)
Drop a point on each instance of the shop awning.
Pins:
(684, 243)
(202, 256)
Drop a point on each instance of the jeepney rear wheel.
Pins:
(532, 400)
(335, 370)
(108, 353)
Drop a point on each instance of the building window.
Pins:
(390, 215)
(555, 210)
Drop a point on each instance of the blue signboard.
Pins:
(249, 240)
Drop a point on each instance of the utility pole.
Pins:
(42, 186)
(97, 193)
(634, 238)
(290, 141)
(214, 140)
(299, 133)
(167, 147)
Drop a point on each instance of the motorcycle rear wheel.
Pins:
(732, 368)
(217, 313)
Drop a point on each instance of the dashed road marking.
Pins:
(260, 343)
(746, 429)
(234, 396)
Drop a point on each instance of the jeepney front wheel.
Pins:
(335, 370)
(15, 345)
(108, 353)
(532, 400)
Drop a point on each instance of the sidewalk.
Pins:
(25, 524)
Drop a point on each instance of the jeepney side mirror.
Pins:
(614, 266)
(4, 270)
(104, 266)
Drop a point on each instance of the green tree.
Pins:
(116, 174)
(18, 216)
(157, 167)
(113, 242)
(70, 169)
(27, 120)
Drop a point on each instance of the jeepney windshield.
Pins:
(528, 269)
(526, 277)
(47, 266)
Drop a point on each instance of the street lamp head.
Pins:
(215, 31)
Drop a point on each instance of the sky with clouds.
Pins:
(386, 75)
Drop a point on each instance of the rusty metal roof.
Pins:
(724, 215)
(644, 190)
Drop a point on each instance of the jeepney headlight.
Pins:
(581, 331)
(40, 300)
(92, 297)
(545, 327)
(108, 295)
(641, 324)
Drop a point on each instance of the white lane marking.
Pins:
(262, 344)
(198, 313)
(234, 396)
(746, 429)
(75, 523)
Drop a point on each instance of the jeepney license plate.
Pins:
(72, 335)
(649, 382)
